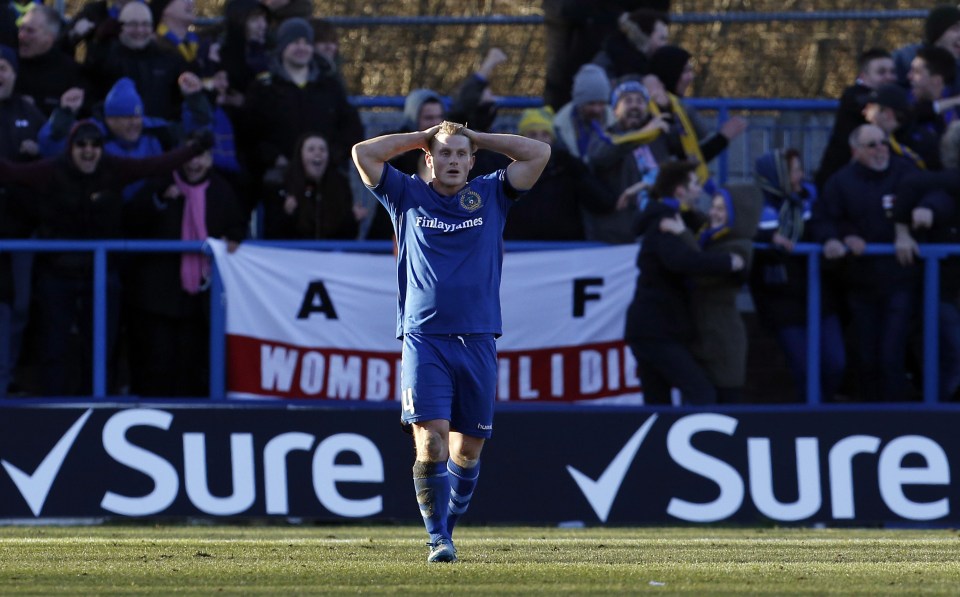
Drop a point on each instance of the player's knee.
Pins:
(466, 453)
(431, 446)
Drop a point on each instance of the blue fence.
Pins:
(930, 254)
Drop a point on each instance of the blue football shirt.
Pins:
(450, 252)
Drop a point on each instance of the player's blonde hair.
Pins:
(449, 129)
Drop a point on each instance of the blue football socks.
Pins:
(462, 483)
(433, 494)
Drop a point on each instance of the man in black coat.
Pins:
(857, 208)
(295, 98)
(135, 54)
(45, 70)
(660, 325)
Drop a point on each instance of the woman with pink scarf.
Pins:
(169, 316)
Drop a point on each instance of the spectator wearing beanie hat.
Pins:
(554, 208)
(537, 123)
(295, 97)
(941, 29)
(688, 138)
(581, 123)
(129, 131)
(293, 30)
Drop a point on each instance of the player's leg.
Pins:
(430, 477)
(463, 470)
(427, 392)
(472, 418)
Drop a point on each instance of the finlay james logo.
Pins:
(903, 465)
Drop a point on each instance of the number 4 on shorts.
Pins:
(406, 400)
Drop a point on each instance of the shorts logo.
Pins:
(470, 200)
(483, 427)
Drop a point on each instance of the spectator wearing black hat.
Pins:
(888, 107)
(940, 29)
(295, 97)
(874, 68)
(689, 138)
(45, 70)
(76, 195)
(20, 122)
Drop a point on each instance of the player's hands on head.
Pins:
(428, 134)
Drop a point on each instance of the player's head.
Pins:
(451, 155)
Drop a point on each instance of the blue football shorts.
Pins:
(450, 377)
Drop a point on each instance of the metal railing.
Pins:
(930, 254)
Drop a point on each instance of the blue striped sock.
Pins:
(462, 483)
(432, 484)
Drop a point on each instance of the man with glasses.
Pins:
(856, 209)
(76, 196)
(135, 54)
(875, 69)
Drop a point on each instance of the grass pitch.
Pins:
(251, 560)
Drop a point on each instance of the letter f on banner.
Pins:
(35, 488)
(603, 491)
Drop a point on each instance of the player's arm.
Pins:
(529, 155)
(372, 154)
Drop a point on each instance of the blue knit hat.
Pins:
(10, 55)
(628, 87)
(123, 100)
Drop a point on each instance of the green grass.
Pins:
(204, 560)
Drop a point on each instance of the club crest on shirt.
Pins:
(470, 200)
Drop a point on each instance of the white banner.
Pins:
(322, 325)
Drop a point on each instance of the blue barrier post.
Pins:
(100, 293)
(813, 328)
(723, 165)
(931, 345)
(218, 336)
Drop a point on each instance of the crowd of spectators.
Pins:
(128, 121)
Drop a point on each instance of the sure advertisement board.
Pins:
(598, 465)
(614, 465)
